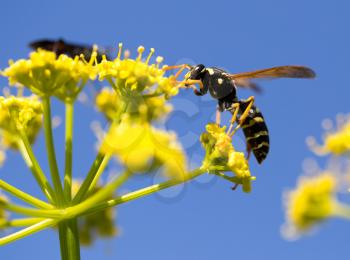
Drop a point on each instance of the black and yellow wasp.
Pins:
(223, 87)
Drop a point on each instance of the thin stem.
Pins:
(145, 191)
(68, 151)
(28, 231)
(89, 178)
(99, 196)
(101, 160)
(98, 174)
(20, 222)
(24, 196)
(51, 152)
(43, 213)
(33, 164)
(341, 210)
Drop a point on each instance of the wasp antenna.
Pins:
(140, 50)
(150, 55)
(120, 47)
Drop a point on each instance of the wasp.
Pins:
(61, 46)
(223, 87)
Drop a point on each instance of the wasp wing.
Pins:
(248, 84)
(275, 72)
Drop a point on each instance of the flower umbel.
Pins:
(336, 142)
(221, 156)
(312, 202)
(132, 77)
(20, 114)
(140, 108)
(142, 148)
(45, 74)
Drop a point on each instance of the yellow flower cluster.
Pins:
(140, 108)
(310, 203)
(20, 114)
(45, 74)
(142, 148)
(101, 223)
(220, 154)
(132, 77)
(335, 142)
(339, 142)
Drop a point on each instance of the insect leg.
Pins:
(244, 114)
(218, 115)
(235, 106)
(180, 67)
(191, 82)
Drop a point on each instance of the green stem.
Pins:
(99, 196)
(51, 152)
(24, 196)
(20, 222)
(28, 231)
(33, 164)
(41, 213)
(98, 174)
(69, 240)
(89, 178)
(98, 165)
(145, 191)
(68, 151)
(341, 210)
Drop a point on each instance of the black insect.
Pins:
(60, 46)
(223, 87)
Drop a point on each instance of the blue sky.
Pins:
(207, 220)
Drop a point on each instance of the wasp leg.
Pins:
(235, 186)
(235, 107)
(180, 67)
(192, 82)
(244, 114)
(218, 116)
(249, 151)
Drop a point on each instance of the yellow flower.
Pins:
(130, 76)
(48, 75)
(138, 108)
(19, 114)
(221, 156)
(101, 223)
(335, 142)
(142, 148)
(312, 202)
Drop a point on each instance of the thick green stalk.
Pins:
(33, 164)
(51, 152)
(68, 151)
(28, 231)
(24, 196)
(145, 191)
(69, 239)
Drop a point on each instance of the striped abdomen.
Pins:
(256, 133)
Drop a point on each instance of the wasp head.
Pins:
(195, 72)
